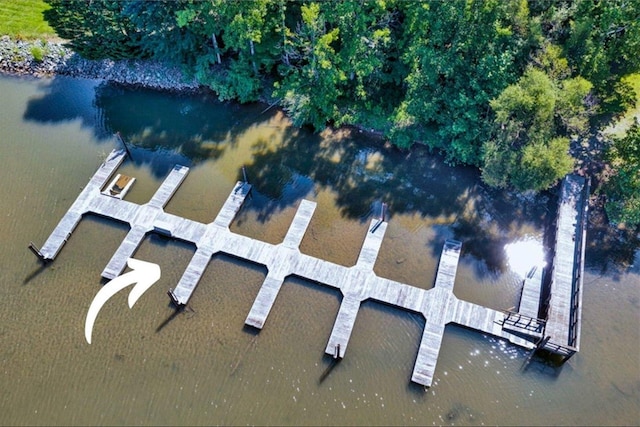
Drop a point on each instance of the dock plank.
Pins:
(371, 246)
(531, 290)
(232, 204)
(299, 225)
(343, 326)
(127, 248)
(264, 301)
(169, 186)
(190, 278)
(565, 277)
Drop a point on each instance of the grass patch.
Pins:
(23, 19)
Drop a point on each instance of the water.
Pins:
(203, 366)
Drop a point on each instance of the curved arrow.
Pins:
(143, 275)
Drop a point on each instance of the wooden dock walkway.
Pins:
(72, 218)
(531, 290)
(208, 244)
(438, 305)
(564, 310)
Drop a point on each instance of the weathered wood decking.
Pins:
(357, 283)
(564, 311)
(70, 220)
(531, 290)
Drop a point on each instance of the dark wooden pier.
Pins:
(357, 283)
(564, 305)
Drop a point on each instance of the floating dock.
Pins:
(438, 305)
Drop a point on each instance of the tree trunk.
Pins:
(253, 53)
(214, 39)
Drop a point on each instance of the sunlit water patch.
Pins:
(523, 255)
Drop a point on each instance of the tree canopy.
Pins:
(504, 85)
(623, 190)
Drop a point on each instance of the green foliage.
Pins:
(528, 150)
(95, 29)
(161, 35)
(542, 164)
(603, 45)
(37, 52)
(460, 55)
(571, 107)
(623, 188)
(311, 84)
(500, 84)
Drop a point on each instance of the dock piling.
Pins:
(124, 144)
(37, 252)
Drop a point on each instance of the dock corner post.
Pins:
(123, 143)
(567, 357)
(37, 252)
(174, 299)
(244, 175)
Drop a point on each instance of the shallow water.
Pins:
(203, 366)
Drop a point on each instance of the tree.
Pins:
(528, 149)
(623, 188)
(369, 45)
(161, 35)
(461, 54)
(96, 30)
(603, 47)
(311, 83)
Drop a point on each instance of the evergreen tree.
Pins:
(96, 29)
(311, 83)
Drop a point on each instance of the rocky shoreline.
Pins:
(48, 58)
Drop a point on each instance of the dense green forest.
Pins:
(505, 85)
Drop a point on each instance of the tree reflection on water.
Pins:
(162, 129)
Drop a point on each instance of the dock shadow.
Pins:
(331, 363)
(43, 266)
(176, 312)
(546, 365)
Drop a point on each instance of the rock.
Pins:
(16, 58)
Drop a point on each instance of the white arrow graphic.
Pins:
(143, 275)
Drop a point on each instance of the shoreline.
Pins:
(47, 58)
(17, 59)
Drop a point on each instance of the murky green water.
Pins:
(203, 366)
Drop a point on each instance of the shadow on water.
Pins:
(332, 363)
(35, 273)
(176, 311)
(162, 129)
(545, 364)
